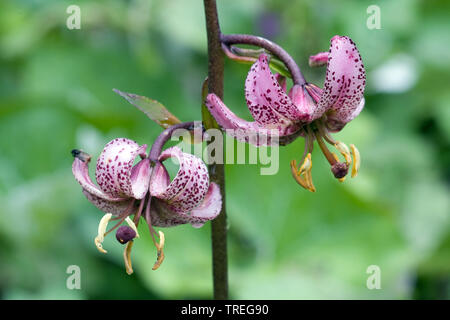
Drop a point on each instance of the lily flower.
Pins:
(307, 110)
(124, 190)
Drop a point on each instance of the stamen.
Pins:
(137, 216)
(129, 245)
(160, 246)
(335, 156)
(324, 132)
(101, 232)
(303, 175)
(160, 252)
(308, 176)
(343, 149)
(297, 177)
(132, 226)
(307, 164)
(127, 257)
(356, 160)
(339, 169)
(340, 146)
(331, 159)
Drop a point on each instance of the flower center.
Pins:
(317, 131)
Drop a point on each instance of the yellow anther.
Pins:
(356, 160)
(132, 226)
(308, 176)
(296, 176)
(303, 175)
(343, 149)
(307, 164)
(127, 257)
(335, 156)
(101, 232)
(160, 252)
(342, 179)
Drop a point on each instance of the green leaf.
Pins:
(152, 108)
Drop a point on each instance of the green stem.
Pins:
(216, 170)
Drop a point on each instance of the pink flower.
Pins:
(124, 190)
(306, 110)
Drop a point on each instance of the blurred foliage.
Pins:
(285, 243)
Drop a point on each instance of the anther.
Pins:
(132, 225)
(101, 232)
(127, 257)
(303, 175)
(160, 252)
(343, 149)
(356, 160)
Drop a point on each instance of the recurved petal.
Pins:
(140, 178)
(209, 209)
(81, 172)
(163, 216)
(189, 187)
(304, 103)
(114, 207)
(114, 168)
(160, 180)
(345, 80)
(281, 81)
(242, 130)
(334, 123)
(266, 99)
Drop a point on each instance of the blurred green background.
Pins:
(284, 242)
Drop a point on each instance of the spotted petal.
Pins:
(189, 187)
(344, 83)
(304, 102)
(114, 207)
(163, 216)
(209, 208)
(266, 99)
(94, 194)
(115, 173)
(251, 132)
(335, 124)
(81, 172)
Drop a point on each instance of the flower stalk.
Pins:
(216, 170)
(279, 52)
